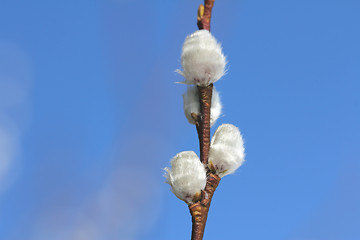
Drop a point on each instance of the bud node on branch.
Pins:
(204, 15)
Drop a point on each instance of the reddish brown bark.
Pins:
(199, 210)
(204, 14)
(203, 123)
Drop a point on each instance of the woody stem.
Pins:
(204, 14)
(203, 123)
(199, 210)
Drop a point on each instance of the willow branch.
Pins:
(199, 210)
(203, 124)
(204, 14)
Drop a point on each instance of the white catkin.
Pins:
(227, 150)
(187, 175)
(192, 104)
(202, 59)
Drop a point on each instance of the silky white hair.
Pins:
(202, 59)
(227, 152)
(187, 176)
(192, 104)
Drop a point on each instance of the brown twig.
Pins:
(204, 14)
(203, 123)
(199, 210)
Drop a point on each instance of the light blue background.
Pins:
(90, 114)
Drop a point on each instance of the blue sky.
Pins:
(90, 114)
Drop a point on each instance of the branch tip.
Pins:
(204, 14)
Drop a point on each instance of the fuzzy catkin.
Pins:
(202, 59)
(227, 150)
(187, 176)
(192, 105)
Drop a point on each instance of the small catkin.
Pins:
(202, 59)
(227, 150)
(187, 176)
(192, 105)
